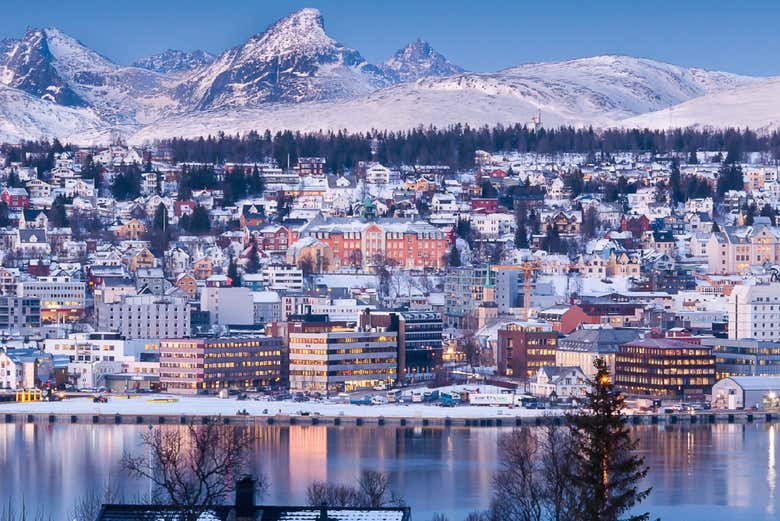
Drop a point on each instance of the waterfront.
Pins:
(712, 472)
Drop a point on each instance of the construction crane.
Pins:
(529, 268)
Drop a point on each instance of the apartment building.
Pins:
(146, 316)
(754, 312)
(736, 248)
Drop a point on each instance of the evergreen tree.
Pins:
(604, 471)
(4, 219)
(693, 158)
(235, 278)
(255, 184)
(453, 259)
(198, 223)
(675, 185)
(521, 233)
(253, 263)
(768, 211)
(729, 178)
(57, 215)
(127, 185)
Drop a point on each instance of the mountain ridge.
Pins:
(295, 75)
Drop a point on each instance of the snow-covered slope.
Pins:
(418, 60)
(593, 91)
(590, 91)
(175, 61)
(121, 95)
(295, 76)
(756, 106)
(294, 60)
(24, 116)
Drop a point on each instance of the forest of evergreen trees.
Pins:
(454, 146)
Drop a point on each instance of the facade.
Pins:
(62, 299)
(146, 316)
(201, 365)
(560, 382)
(420, 344)
(664, 367)
(228, 305)
(524, 347)
(331, 357)
(736, 248)
(19, 314)
(744, 357)
(754, 312)
(582, 347)
(282, 276)
(354, 243)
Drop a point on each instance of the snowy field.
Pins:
(212, 406)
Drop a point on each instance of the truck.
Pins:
(360, 400)
(502, 399)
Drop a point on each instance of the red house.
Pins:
(484, 204)
(15, 198)
(636, 225)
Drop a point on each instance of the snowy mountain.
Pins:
(756, 105)
(597, 91)
(51, 65)
(293, 61)
(295, 76)
(175, 61)
(28, 65)
(418, 60)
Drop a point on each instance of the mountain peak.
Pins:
(418, 60)
(301, 31)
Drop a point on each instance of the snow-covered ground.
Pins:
(212, 406)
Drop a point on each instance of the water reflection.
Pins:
(712, 473)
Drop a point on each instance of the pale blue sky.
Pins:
(483, 35)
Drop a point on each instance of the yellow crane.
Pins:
(529, 268)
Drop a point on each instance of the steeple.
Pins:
(489, 290)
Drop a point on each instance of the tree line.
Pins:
(453, 146)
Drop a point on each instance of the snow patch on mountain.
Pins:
(24, 116)
(175, 61)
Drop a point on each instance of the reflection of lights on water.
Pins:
(770, 471)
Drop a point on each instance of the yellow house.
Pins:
(203, 268)
(312, 252)
(130, 230)
(143, 259)
(187, 284)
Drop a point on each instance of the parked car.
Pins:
(100, 399)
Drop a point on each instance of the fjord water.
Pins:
(712, 473)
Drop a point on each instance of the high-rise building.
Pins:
(333, 357)
(524, 347)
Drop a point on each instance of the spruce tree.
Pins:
(454, 257)
(605, 472)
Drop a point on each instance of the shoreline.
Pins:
(167, 409)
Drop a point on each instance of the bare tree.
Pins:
(191, 468)
(88, 506)
(331, 494)
(371, 490)
(533, 484)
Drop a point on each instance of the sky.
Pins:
(484, 35)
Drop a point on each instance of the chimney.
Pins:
(323, 512)
(245, 498)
